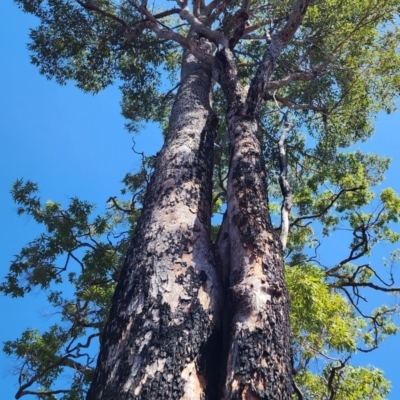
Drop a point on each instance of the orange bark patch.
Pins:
(235, 384)
(195, 383)
(204, 298)
(249, 395)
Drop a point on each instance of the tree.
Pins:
(201, 311)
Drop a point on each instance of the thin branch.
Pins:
(294, 106)
(332, 374)
(77, 366)
(165, 97)
(297, 391)
(151, 22)
(279, 42)
(287, 202)
(92, 7)
(86, 345)
(21, 391)
(366, 284)
(353, 256)
(326, 209)
(117, 206)
(294, 77)
(42, 392)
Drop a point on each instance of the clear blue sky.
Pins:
(74, 144)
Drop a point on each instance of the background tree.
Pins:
(322, 92)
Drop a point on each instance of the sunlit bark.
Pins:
(163, 337)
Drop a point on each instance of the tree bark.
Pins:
(257, 339)
(257, 347)
(163, 338)
(258, 360)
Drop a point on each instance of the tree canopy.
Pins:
(340, 70)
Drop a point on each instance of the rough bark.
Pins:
(258, 360)
(162, 340)
(256, 341)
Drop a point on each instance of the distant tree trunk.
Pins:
(163, 337)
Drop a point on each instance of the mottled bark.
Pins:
(258, 359)
(162, 340)
(256, 341)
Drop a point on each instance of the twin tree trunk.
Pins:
(191, 319)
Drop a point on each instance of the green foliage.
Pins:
(322, 320)
(93, 51)
(326, 332)
(348, 383)
(85, 254)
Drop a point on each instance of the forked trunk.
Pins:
(163, 339)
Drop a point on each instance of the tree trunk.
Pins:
(163, 338)
(258, 360)
(257, 335)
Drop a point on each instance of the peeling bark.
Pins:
(164, 323)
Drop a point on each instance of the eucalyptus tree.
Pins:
(271, 93)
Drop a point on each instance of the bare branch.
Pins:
(117, 206)
(294, 106)
(41, 392)
(214, 36)
(326, 209)
(267, 66)
(75, 365)
(367, 284)
(293, 77)
(287, 202)
(86, 345)
(332, 374)
(92, 7)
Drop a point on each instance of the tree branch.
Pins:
(92, 7)
(214, 36)
(279, 42)
(326, 209)
(298, 392)
(294, 106)
(287, 202)
(42, 392)
(293, 77)
(151, 22)
(241, 17)
(332, 376)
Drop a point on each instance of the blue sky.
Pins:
(74, 144)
